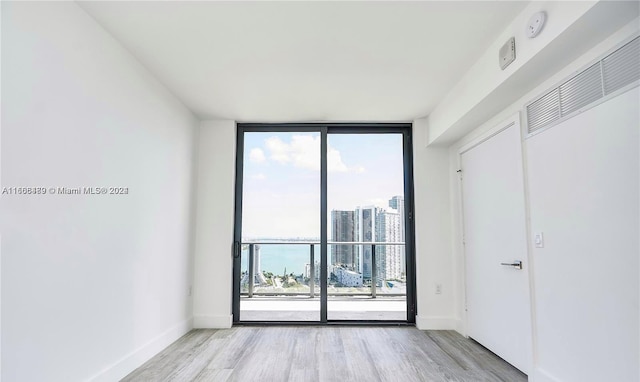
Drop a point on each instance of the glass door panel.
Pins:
(279, 251)
(365, 200)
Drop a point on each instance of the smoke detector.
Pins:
(536, 22)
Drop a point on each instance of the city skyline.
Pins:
(350, 263)
(370, 224)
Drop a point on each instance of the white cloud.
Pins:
(334, 161)
(256, 155)
(304, 152)
(259, 176)
(357, 169)
(279, 151)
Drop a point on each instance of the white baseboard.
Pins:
(212, 322)
(135, 359)
(437, 323)
(460, 327)
(540, 375)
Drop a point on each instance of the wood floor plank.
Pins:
(178, 353)
(325, 354)
(214, 375)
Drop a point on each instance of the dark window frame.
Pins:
(325, 129)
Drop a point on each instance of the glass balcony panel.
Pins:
(282, 283)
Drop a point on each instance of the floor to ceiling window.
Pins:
(324, 227)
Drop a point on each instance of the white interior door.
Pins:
(498, 302)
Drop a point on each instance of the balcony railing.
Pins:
(251, 292)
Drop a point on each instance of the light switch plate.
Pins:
(538, 240)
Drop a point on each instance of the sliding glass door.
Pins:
(365, 189)
(324, 230)
(280, 231)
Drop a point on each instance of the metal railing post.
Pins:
(374, 269)
(312, 273)
(252, 272)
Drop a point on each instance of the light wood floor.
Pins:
(333, 353)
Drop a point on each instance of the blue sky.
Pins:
(281, 196)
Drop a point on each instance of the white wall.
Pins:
(434, 263)
(214, 229)
(91, 285)
(0, 203)
(585, 308)
(583, 186)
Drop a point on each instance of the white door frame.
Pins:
(513, 120)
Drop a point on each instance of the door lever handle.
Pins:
(516, 264)
(236, 249)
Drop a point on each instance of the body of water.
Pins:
(276, 257)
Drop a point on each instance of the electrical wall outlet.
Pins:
(438, 288)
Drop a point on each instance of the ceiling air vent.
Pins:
(595, 83)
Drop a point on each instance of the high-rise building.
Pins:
(397, 202)
(316, 271)
(388, 229)
(365, 231)
(371, 224)
(342, 229)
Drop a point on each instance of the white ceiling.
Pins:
(307, 61)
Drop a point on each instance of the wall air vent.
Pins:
(598, 82)
(622, 67)
(543, 111)
(581, 90)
